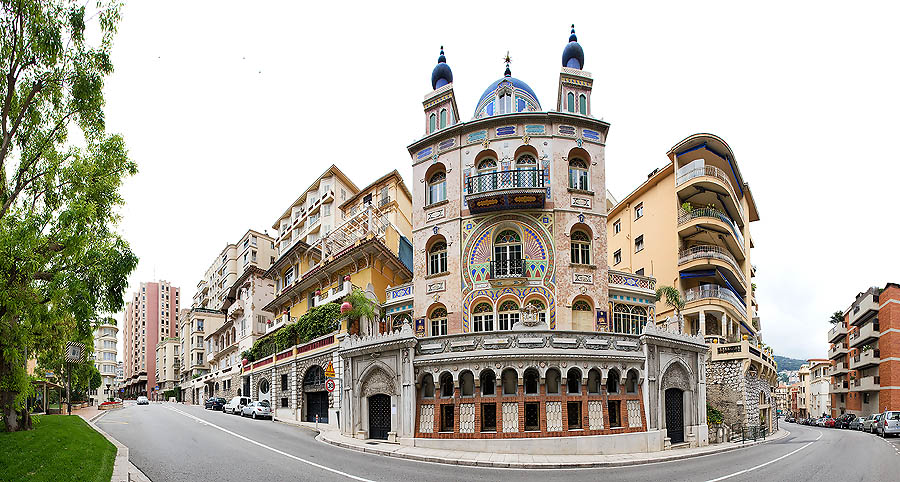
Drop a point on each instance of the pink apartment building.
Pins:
(150, 316)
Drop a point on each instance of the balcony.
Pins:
(710, 252)
(514, 189)
(334, 293)
(865, 334)
(236, 310)
(840, 387)
(505, 269)
(867, 384)
(715, 292)
(631, 282)
(866, 309)
(836, 350)
(713, 220)
(839, 368)
(837, 333)
(865, 359)
(740, 351)
(710, 175)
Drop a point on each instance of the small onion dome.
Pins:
(441, 75)
(573, 54)
(345, 307)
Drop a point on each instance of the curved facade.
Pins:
(105, 353)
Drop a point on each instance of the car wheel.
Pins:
(253, 415)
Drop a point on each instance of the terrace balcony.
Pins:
(712, 219)
(867, 384)
(838, 349)
(742, 350)
(840, 387)
(715, 293)
(837, 333)
(839, 368)
(513, 189)
(865, 359)
(506, 269)
(865, 334)
(706, 256)
(866, 309)
(711, 179)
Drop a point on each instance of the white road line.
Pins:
(229, 432)
(767, 463)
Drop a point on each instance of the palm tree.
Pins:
(672, 298)
(836, 317)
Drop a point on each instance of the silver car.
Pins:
(888, 423)
(257, 410)
(869, 423)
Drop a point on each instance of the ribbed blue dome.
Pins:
(573, 54)
(518, 84)
(441, 75)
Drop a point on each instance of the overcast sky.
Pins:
(231, 109)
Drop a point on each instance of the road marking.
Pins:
(767, 463)
(229, 432)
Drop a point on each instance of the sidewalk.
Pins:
(524, 461)
(123, 469)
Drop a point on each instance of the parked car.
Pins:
(844, 420)
(869, 423)
(856, 423)
(235, 405)
(828, 422)
(789, 419)
(810, 421)
(257, 410)
(888, 423)
(142, 400)
(820, 422)
(215, 403)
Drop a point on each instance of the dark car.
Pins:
(216, 403)
(829, 422)
(844, 420)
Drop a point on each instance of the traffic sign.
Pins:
(329, 370)
(329, 385)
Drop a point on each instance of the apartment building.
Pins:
(865, 351)
(105, 354)
(150, 316)
(167, 364)
(688, 225)
(253, 249)
(803, 391)
(819, 396)
(366, 246)
(783, 399)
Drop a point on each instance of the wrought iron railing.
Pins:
(707, 251)
(715, 291)
(711, 171)
(687, 216)
(513, 179)
(507, 268)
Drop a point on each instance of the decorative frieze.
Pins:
(583, 278)
(435, 287)
(434, 214)
(581, 202)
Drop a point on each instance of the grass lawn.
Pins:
(60, 448)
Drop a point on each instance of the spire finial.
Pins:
(572, 37)
(441, 58)
(507, 59)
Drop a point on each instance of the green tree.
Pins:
(836, 318)
(61, 262)
(672, 298)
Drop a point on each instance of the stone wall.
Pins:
(724, 390)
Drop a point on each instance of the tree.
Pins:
(836, 318)
(62, 263)
(672, 298)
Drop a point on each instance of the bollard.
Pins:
(317, 422)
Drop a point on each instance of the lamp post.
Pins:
(107, 392)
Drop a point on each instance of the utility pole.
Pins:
(68, 388)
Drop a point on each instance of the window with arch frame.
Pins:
(582, 104)
(443, 118)
(570, 102)
(483, 317)
(437, 258)
(486, 179)
(628, 318)
(508, 315)
(578, 175)
(507, 254)
(580, 244)
(582, 315)
(432, 123)
(526, 171)
(438, 319)
(437, 187)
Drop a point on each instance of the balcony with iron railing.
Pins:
(715, 292)
(718, 176)
(712, 214)
(512, 189)
(507, 268)
(707, 252)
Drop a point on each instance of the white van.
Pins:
(236, 404)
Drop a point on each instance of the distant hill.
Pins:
(788, 364)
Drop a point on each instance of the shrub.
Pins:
(713, 415)
(318, 321)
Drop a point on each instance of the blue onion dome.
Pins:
(521, 97)
(441, 75)
(573, 54)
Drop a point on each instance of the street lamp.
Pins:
(107, 391)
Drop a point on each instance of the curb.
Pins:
(123, 469)
(537, 465)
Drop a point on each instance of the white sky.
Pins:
(230, 112)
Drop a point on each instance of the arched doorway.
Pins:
(315, 395)
(379, 416)
(675, 415)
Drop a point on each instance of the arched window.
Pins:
(631, 382)
(432, 123)
(437, 187)
(446, 385)
(612, 381)
(578, 175)
(427, 386)
(551, 380)
(486, 179)
(264, 386)
(628, 318)
(437, 258)
(510, 381)
(580, 244)
(505, 103)
(508, 315)
(399, 320)
(573, 381)
(594, 381)
(438, 321)
(582, 104)
(467, 384)
(541, 309)
(531, 379)
(488, 382)
(526, 171)
(483, 316)
(582, 318)
(507, 255)
(570, 102)
(314, 379)
(443, 118)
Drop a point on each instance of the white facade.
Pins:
(105, 354)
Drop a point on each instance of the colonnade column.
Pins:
(702, 322)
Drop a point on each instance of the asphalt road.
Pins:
(172, 442)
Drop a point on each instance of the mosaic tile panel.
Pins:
(634, 413)
(467, 418)
(426, 419)
(511, 417)
(554, 417)
(595, 414)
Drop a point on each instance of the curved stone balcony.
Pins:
(714, 175)
(511, 189)
(715, 292)
(716, 221)
(709, 252)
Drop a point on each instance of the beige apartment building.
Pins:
(819, 398)
(688, 226)
(167, 363)
(105, 353)
(150, 316)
